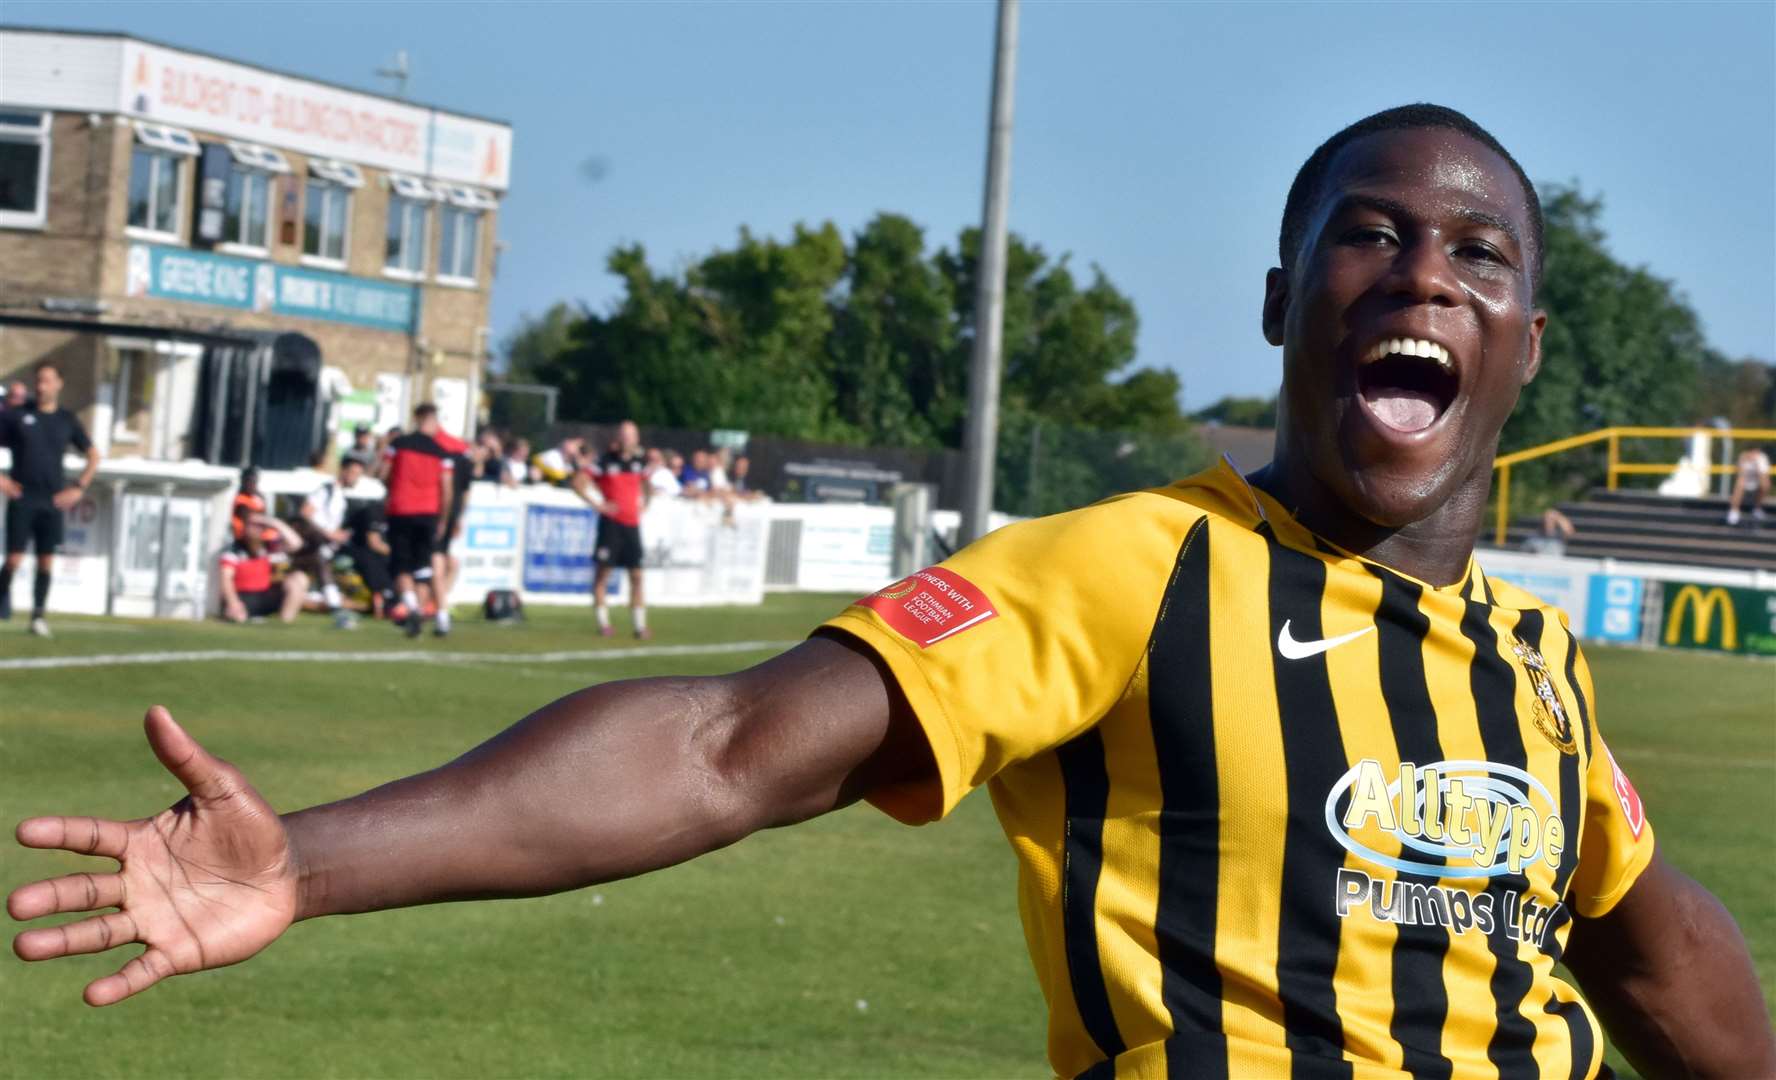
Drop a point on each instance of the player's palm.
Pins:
(206, 883)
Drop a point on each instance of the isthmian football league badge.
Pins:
(1547, 712)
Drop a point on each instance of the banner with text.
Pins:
(173, 273)
(1720, 618)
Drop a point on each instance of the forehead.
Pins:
(1429, 169)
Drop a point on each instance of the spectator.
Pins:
(519, 470)
(615, 485)
(18, 397)
(38, 493)
(560, 465)
(694, 478)
(1557, 529)
(248, 588)
(421, 487)
(742, 478)
(1753, 478)
(247, 502)
(660, 481)
(445, 565)
(363, 442)
(325, 509)
(490, 458)
(366, 548)
(718, 471)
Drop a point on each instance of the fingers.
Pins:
(202, 774)
(92, 935)
(76, 892)
(83, 835)
(133, 978)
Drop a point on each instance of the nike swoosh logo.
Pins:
(1301, 650)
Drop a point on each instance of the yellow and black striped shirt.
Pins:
(1278, 810)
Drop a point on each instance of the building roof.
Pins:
(1249, 447)
(17, 28)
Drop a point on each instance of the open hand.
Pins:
(67, 498)
(207, 883)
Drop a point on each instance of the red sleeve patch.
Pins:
(930, 605)
(1628, 797)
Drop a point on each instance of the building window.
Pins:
(407, 223)
(154, 188)
(24, 169)
(154, 192)
(325, 210)
(246, 207)
(459, 243)
(326, 220)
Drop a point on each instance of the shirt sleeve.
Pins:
(1020, 642)
(77, 435)
(1616, 840)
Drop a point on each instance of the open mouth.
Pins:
(1407, 382)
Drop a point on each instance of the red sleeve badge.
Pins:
(1627, 796)
(931, 605)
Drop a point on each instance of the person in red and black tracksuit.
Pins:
(418, 472)
(614, 484)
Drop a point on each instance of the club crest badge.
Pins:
(1547, 712)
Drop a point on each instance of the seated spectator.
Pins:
(490, 459)
(366, 551)
(249, 588)
(1753, 478)
(1557, 529)
(742, 479)
(519, 470)
(324, 510)
(247, 502)
(694, 478)
(560, 465)
(660, 480)
(718, 471)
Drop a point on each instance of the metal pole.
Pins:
(114, 572)
(980, 442)
(160, 563)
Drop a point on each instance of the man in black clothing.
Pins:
(36, 492)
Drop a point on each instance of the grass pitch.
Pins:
(850, 946)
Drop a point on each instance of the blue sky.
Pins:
(1155, 140)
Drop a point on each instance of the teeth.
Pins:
(1419, 347)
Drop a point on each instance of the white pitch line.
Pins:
(406, 656)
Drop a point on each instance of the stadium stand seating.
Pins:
(1647, 527)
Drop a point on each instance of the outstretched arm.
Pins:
(606, 783)
(1669, 975)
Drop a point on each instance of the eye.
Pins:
(1371, 236)
(1480, 251)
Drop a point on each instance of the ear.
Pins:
(1537, 323)
(1276, 304)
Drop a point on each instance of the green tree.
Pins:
(528, 350)
(1241, 411)
(1622, 346)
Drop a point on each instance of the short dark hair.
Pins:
(420, 412)
(1305, 191)
(51, 365)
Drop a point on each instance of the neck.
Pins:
(48, 404)
(1435, 548)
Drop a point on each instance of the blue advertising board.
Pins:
(558, 543)
(174, 273)
(1615, 608)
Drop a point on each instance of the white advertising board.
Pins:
(201, 92)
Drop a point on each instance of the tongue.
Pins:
(1401, 408)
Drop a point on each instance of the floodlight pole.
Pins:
(980, 442)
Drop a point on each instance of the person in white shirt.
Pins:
(1753, 478)
(325, 509)
(660, 480)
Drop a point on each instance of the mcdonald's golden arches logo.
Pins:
(1703, 603)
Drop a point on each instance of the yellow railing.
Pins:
(1617, 467)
